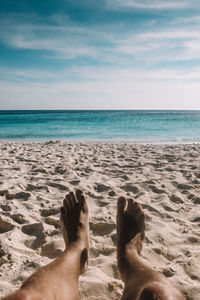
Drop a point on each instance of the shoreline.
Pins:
(101, 142)
(163, 178)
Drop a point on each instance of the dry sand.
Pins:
(165, 180)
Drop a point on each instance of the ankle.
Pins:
(128, 262)
(134, 247)
(77, 246)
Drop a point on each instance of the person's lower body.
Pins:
(59, 279)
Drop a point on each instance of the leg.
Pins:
(141, 282)
(59, 279)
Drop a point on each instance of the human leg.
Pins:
(141, 281)
(59, 279)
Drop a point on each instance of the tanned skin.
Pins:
(59, 279)
(141, 281)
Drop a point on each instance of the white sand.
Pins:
(165, 179)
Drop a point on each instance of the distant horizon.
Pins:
(60, 110)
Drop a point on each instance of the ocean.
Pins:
(118, 126)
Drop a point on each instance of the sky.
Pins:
(100, 54)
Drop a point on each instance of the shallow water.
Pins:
(126, 125)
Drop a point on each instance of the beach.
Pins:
(163, 178)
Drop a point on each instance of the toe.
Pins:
(134, 207)
(121, 203)
(62, 210)
(72, 197)
(81, 200)
(130, 205)
(137, 214)
(66, 204)
(142, 225)
(138, 211)
(64, 213)
(68, 207)
(135, 210)
(71, 200)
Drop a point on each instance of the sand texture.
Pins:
(165, 180)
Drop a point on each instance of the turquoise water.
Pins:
(139, 126)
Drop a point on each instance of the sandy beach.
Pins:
(164, 179)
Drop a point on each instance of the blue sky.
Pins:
(105, 54)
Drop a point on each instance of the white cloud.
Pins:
(111, 95)
(65, 48)
(193, 47)
(65, 40)
(101, 88)
(147, 47)
(161, 46)
(69, 41)
(169, 34)
(146, 4)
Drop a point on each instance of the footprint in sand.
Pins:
(52, 249)
(156, 190)
(5, 226)
(18, 218)
(102, 188)
(3, 260)
(197, 174)
(49, 212)
(59, 186)
(196, 220)
(101, 228)
(5, 207)
(31, 187)
(168, 272)
(182, 186)
(38, 170)
(125, 177)
(175, 199)
(195, 199)
(193, 240)
(150, 208)
(52, 221)
(112, 193)
(3, 192)
(167, 207)
(192, 270)
(60, 170)
(130, 188)
(103, 203)
(75, 182)
(37, 230)
(20, 195)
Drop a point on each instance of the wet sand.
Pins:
(164, 179)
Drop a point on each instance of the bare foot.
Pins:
(130, 225)
(74, 223)
(141, 281)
